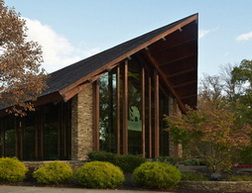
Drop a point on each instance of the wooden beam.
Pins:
(125, 109)
(118, 109)
(143, 110)
(177, 59)
(156, 113)
(173, 46)
(150, 116)
(167, 82)
(180, 73)
(96, 105)
(184, 84)
(124, 56)
(188, 96)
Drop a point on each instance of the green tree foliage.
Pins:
(241, 76)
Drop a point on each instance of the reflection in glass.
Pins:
(29, 137)
(9, 136)
(51, 132)
(134, 116)
(108, 112)
(164, 138)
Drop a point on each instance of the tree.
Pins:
(213, 131)
(21, 77)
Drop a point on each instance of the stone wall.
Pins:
(217, 186)
(82, 124)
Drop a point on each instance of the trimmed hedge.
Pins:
(99, 175)
(156, 175)
(53, 173)
(12, 170)
(190, 176)
(128, 163)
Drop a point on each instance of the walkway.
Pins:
(23, 189)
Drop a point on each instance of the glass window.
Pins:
(164, 137)
(51, 124)
(29, 137)
(108, 112)
(135, 108)
(9, 136)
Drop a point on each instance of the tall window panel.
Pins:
(135, 106)
(9, 126)
(50, 132)
(164, 138)
(108, 112)
(29, 137)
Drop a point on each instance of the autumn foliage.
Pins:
(21, 77)
(211, 132)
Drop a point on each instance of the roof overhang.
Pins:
(174, 54)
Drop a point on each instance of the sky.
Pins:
(71, 30)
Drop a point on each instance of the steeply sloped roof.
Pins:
(70, 74)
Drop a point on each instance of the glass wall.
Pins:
(133, 82)
(41, 135)
(108, 115)
(135, 108)
(164, 137)
(29, 137)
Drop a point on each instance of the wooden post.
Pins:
(156, 113)
(150, 116)
(125, 109)
(143, 111)
(118, 117)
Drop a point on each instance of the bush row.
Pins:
(128, 163)
(94, 174)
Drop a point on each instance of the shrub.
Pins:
(169, 160)
(101, 156)
(193, 162)
(189, 176)
(53, 173)
(99, 175)
(12, 170)
(157, 175)
(128, 163)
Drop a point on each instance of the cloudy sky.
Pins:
(73, 30)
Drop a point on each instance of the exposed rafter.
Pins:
(168, 83)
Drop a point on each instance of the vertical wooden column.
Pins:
(156, 112)
(150, 116)
(118, 117)
(96, 115)
(143, 111)
(125, 109)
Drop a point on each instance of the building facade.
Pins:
(114, 101)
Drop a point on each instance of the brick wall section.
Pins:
(82, 124)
